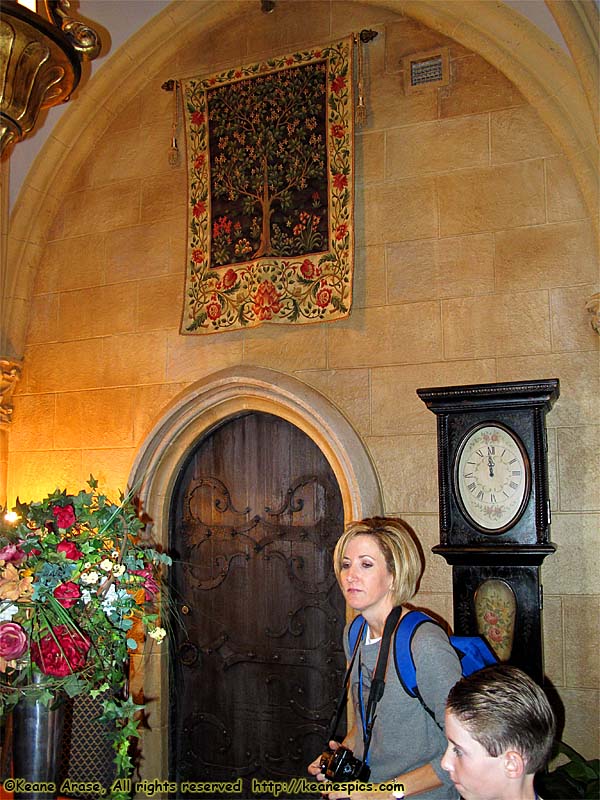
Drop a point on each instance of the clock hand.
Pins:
(491, 466)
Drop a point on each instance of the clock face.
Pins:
(492, 477)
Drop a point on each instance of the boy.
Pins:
(500, 728)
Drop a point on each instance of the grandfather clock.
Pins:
(495, 510)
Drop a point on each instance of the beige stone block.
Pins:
(439, 146)
(554, 641)
(133, 153)
(545, 256)
(347, 389)
(160, 303)
(54, 367)
(430, 269)
(74, 263)
(369, 281)
(582, 614)
(130, 116)
(348, 17)
(575, 567)
(571, 322)
(164, 197)
(97, 311)
(388, 106)
(408, 37)
(190, 358)
(582, 712)
(155, 103)
(397, 212)
(99, 418)
(437, 575)
(579, 375)
(278, 32)
(564, 197)
(149, 406)
(287, 347)
(439, 606)
(407, 469)
(114, 206)
(43, 319)
(496, 325)
(381, 336)
(396, 407)
(519, 133)
(133, 359)
(110, 467)
(145, 251)
(491, 199)
(32, 426)
(476, 86)
(579, 468)
(551, 438)
(369, 151)
(34, 474)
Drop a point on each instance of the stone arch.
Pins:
(205, 404)
(538, 68)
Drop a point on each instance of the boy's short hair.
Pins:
(503, 709)
(401, 553)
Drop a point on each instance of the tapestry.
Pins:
(270, 192)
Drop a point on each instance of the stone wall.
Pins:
(475, 255)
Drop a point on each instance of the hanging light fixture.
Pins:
(41, 49)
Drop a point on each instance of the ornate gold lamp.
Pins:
(41, 49)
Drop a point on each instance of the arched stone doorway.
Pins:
(200, 409)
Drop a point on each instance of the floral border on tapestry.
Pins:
(270, 162)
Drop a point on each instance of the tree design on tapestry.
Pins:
(270, 178)
(268, 165)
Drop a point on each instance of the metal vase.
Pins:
(37, 738)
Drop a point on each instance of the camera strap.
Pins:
(377, 685)
(378, 682)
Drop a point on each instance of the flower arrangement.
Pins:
(78, 589)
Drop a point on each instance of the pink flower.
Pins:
(67, 594)
(490, 617)
(70, 550)
(13, 640)
(495, 634)
(150, 584)
(61, 652)
(12, 553)
(64, 515)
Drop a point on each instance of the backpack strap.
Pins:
(403, 657)
(355, 632)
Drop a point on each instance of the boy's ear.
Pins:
(514, 765)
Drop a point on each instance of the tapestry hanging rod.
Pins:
(365, 36)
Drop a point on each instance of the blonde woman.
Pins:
(378, 564)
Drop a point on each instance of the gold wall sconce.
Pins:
(41, 50)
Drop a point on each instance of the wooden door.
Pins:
(255, 516)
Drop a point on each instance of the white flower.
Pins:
(108, 603)
(106, 565)
(8, 613)
(90, 577)
(118, 570)
(86, 596)
(158, 634)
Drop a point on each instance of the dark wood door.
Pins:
(255, 516)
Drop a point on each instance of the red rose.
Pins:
(67, 594)
(338, 83)
(495, 634)
(64, 515)
(13, 640)
(229, 278)
(197, 118)
(490, 617)
(61, 652)
(70, 550)
(266, 301)
(213, 309)
(307, 268)
(323, 296)
(340, 181)
(338, 131)
(341, 231)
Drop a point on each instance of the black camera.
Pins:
(341, 765)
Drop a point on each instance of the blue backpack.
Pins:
(473, 651)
